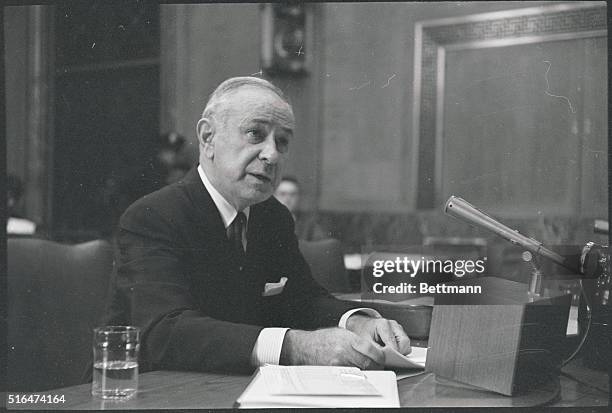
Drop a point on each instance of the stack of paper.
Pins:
(319, 386)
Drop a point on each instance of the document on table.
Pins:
(317, 380)
(332, 386)
(319, 386)
(415, 360)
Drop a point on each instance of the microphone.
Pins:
(463, 210)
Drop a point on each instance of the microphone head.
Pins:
(450, 203)
(460, 208)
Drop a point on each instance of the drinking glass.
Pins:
(115, 368)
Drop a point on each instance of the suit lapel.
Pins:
(211, 229)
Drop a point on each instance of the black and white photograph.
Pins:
(355, 205)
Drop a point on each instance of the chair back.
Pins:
(56, 296)
(326, 260)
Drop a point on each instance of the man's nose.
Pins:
(269, 153)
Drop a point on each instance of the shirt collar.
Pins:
(227, 211)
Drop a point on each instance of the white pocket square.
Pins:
(274, 288)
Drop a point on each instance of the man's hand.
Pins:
(382, 331)
(331, 347)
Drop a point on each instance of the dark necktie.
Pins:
(235, 233)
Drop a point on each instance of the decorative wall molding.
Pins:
(499, 29)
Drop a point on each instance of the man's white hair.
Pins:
(231, 85)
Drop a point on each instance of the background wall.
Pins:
(354, 143)
(353, 146)
(523, 128)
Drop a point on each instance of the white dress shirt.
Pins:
(267, 349)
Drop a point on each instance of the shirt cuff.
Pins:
(267, 349)
(366, 311)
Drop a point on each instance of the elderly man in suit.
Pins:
(210, 269)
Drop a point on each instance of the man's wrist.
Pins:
(289, 355)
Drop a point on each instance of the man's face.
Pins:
(288, 194)
(248, 144)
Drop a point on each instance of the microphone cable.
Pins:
(586, 330)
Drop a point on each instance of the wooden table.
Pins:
(188, 390)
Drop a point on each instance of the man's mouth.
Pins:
(261, 177)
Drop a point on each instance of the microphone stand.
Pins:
(594, 260)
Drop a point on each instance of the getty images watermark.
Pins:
(393, 270)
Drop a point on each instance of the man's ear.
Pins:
(206, 132)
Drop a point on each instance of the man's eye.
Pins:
(282, 144)
(256, 133)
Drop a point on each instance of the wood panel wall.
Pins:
(524, 128)
(202, 45)
(595, 198)
(365, 145)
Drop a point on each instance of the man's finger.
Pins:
(402, 339)
(386, 334)
(370, 349)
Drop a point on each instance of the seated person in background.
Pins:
(210, 269)
(306, 225)
(165, 165)
(169, 166)
(16, 224)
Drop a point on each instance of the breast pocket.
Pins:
(274, 288)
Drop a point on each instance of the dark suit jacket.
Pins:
(179, 282)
